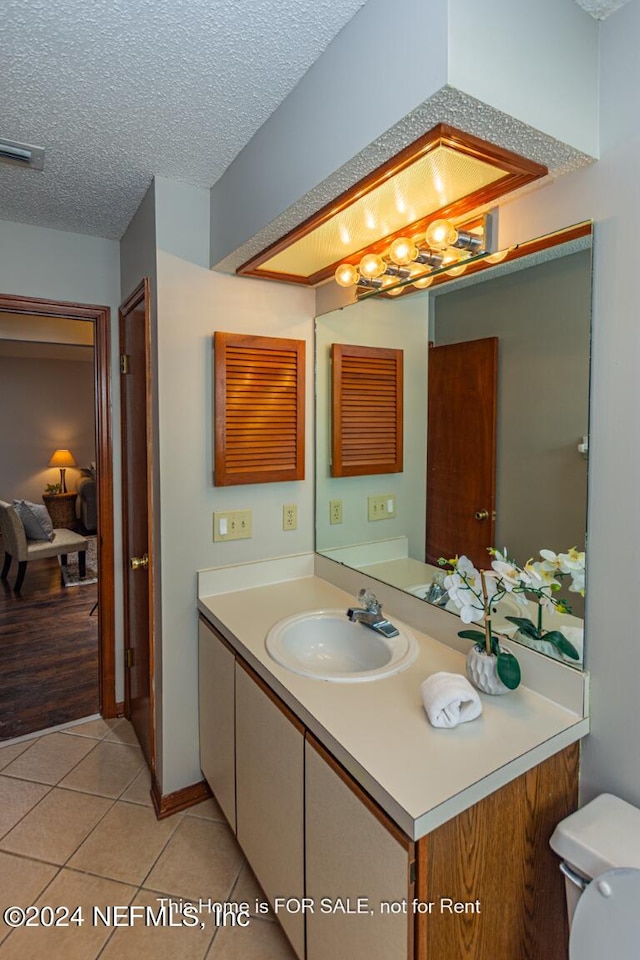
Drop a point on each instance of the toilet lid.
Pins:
(606, 924)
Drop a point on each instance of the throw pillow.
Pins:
(35, 520)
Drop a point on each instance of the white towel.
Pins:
(449, 699)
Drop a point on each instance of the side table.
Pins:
(62, 509)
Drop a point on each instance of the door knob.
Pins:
(138, 563)
(481, 514)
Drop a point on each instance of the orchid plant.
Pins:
(474, 592)
(540, 580)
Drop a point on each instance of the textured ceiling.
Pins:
(119, 90)
(601, 8)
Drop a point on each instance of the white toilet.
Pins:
(600, 848)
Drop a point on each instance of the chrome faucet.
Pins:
(370, 614)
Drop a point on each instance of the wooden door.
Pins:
(461, 450)
(136, 516)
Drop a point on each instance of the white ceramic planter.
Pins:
(542, 646)
(483, 673)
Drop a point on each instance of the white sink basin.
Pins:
(326, 645)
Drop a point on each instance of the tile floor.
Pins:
(77, 829)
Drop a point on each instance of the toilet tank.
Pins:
(602, 835)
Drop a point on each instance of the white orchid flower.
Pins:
(571, 563)
(509, 574)
(577, 583)
(540, 575)
(464, 586)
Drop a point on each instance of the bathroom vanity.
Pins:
(372, 833)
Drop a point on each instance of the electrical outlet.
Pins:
(335, 511)
(290, 516)
(232, 525)
(382, 507)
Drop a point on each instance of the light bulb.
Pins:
(497, 257)
(395, 291)
(423, 282)
(402, 251)
(456, 271)
(451, 257)
(441, 234)
(346, 275)
(372, 266)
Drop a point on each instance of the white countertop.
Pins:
(421, 776)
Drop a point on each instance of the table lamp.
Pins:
(62, 459)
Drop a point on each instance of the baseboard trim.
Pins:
(170, 803)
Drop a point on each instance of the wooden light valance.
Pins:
(259, 409)
(366, 420)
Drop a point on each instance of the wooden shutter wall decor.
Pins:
(259, 409)
(367, 422)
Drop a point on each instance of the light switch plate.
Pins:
(382, 507)
(232, 525)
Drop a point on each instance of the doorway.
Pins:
(100, 316)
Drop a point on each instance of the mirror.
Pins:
(534, 312)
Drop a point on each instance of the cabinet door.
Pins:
(216, 684)
(353, 851)
(270, 795)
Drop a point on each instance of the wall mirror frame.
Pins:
(537, 305)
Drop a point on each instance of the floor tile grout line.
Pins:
(36, 804)
(27, 744)
(41, 894)
(38, 859)
(129, 782)
(95, 828)
(179, 820)
(66, 774)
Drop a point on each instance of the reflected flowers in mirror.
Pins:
(541, 580)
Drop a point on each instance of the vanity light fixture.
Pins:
(444, 175)
(21, 154)
(443, 245)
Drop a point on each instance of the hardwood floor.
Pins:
(48, 651)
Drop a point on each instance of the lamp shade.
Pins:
(62, 458)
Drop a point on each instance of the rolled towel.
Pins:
(449, 699)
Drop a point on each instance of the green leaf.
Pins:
(525, 626)
(476, 635)
(561, 643)
(508, 669)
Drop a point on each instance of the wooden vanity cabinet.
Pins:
(488, 877)
(270, 795)
(216, 691)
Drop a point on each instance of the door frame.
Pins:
(141, 294)
(100, 316)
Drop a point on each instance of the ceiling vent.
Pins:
(21, 154)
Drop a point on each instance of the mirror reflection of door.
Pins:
(461, 459)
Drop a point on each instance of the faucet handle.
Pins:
(369, 600)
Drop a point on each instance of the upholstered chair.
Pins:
(17, 547)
